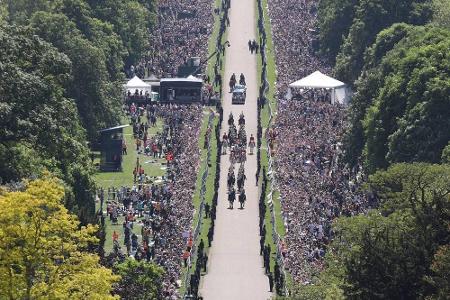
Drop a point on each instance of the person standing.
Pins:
(270, 282)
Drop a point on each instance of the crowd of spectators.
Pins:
(162, 210)
(182, 31)
(315, 186)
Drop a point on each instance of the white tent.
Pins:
(137, 84)
(318, 80)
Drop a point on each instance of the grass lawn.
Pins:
(206, 223)
(153, 167)
(212, 44)
(265, 118)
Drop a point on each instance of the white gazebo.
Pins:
(137, 84)
(318, 80)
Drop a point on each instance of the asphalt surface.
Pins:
(235, 268)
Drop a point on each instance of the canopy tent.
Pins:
(318, 80)
(137, 84)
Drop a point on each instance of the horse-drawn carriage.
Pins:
(239, 94)
(239, 90)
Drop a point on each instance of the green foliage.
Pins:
(334, 20)
(399, 113)
(139, 280)
(98, 98)
(446, 154)
(51, 100)
(440, 279)
(441, 13)
(352, 25)
(134, 35)
(396, 252)
(43, 248)
(100, 39)
(39, 125)
(370, 18)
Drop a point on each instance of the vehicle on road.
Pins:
(239, 94)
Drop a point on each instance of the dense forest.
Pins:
(62, 64)
(395, 55)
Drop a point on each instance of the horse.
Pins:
(241, 119)
(242, 79)
(242, 198)
(232, 82)
(231, 180)
(230, 119)
(231, 198)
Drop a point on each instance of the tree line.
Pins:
(62, 68)
(396, 57)
(62, 64)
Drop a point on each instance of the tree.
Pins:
(39, 125)
(134, 35)
(97, 98)
(139, 280)
(398, 251)
(441, 273)
(398, 113)
(370, 17)
(334, 21)
(441, 13)
(42, 248)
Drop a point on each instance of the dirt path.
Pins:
(235, 268)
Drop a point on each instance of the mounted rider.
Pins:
(241, 119)
(242, 198)
(231, 198)
(242, 79)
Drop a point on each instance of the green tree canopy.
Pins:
(139, 280)
(371, 17)
(43, 249)
(40, 128)
(399, 113)
(398, 251)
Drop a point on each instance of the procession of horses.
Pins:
(236, 141)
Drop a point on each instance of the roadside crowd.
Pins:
(315, 187)
(162, 210)
(182, 32)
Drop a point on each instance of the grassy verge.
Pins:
(265, 118)
(155, 168)
(212, 44)
(206, 223)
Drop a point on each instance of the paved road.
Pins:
(235, 268)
